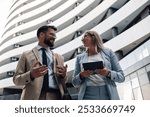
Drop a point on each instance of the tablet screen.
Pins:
(93, 65)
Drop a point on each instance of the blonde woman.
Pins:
(98, 84)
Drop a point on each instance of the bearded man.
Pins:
(38, 70)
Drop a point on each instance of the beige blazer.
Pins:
(32, 89)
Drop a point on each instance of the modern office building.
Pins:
(123, 24)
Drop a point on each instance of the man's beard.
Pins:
(49, 42)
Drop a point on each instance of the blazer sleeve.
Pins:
(21, 77)
(117, 74)
(76, 80)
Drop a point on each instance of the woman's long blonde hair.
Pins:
(97, 40)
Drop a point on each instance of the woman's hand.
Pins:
(103, 72)
(85, 73)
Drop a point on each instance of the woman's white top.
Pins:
(95, 79)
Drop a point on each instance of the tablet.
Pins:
(93, 65)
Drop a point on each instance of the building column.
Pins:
(114, 31)
(119, 54)
(110, 11)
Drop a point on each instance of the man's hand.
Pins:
(61, 71)
(37, 71)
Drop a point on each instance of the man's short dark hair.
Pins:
(45, 29)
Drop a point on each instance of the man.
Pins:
(39, 71)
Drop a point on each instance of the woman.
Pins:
(97, 84)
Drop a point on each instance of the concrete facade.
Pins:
(123, 24)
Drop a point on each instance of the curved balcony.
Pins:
(34, 24)
(38, 12)
(101, 25)
(60, 23)
(123, 41)
(16, 6)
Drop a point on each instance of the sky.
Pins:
(4, 10)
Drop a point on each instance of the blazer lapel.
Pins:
(35, 51)
(56, 62)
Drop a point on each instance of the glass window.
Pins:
(143, 79)
(147, 45)
(135, 82)
(137, 94)
(123, 63)
(148, 67)
(131, 59)
(138, 53)
(146, 91)
(133, 75)
(141, 71)
(145, 52)
(125, 91)
(127, 78)
(148, 73)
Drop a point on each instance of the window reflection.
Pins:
(145, 91)
(137, 94)
(143, 79)
(126, 91)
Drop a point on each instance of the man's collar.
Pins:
(39, 47)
